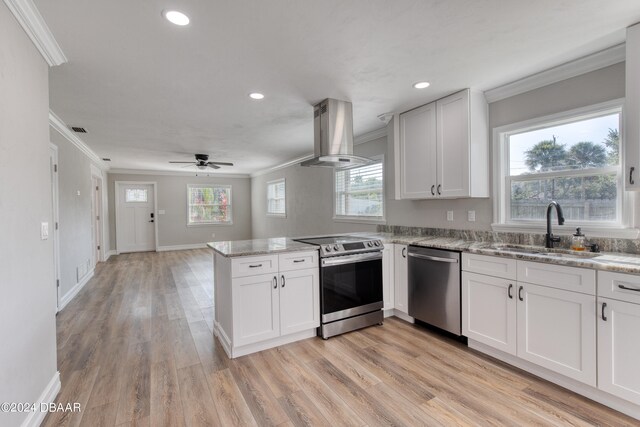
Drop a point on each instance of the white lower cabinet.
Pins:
(388, 276)
(266, 309)
(553, 328)
(489, 311)
(557, 330)
(619, 348)
(401, 283)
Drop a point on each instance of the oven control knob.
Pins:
(377, 243)
(327, 248)
(335, 247)
(369, 244)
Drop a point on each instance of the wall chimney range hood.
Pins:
(333, 136)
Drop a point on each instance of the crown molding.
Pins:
(29, 18)
(176, 173)
(595, 61)
(360, 139)
(56, 123)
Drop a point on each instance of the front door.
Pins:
(135, 218)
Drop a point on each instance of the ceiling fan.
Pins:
(202, 162)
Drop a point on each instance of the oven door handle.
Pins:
(349, 259)
(433, 258)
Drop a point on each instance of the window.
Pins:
(359, 192)
(276, 198)
(572, 158)
(208, 204)
(135, 195)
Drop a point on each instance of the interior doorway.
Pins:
(55, 215)
(136, 226)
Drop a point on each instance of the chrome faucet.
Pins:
(549, 238)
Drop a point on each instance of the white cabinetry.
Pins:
(631, 128)
(400, 283)
(277, 305)
(443, 149)
(388, 278)
(545, 322)
(618, 343)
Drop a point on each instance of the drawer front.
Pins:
(254, 265)
(298, 260)
(558, 276)
(505, 268)
(620, 286)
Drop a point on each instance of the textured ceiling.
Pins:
(149, 92)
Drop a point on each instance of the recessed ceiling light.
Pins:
(421, 85)
(256, 95)
(176, 17)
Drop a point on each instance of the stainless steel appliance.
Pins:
(434, 288)
(350, 283)
(333, 136)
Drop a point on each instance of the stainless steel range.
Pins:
(350, 283)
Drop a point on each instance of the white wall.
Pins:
(76, 225)
(310, 211)
(172, 198)
(28, 303)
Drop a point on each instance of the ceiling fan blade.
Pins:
(186, 166)
(221, 163)
(212, 166)
(181, 162)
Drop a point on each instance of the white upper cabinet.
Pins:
(631, 128)
(443, 149)
(418, 153)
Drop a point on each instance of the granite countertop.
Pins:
(610, 261)
(235, 248)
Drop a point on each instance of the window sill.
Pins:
(210, 224)
(360, 220)
(569, 229)
(273, 215)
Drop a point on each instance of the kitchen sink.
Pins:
(540, 251)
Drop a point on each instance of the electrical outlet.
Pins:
(471, 216)
(213, 235)
(78, 193)
(44, 230)
(449, 215)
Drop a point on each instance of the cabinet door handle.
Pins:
(628, 289)
(509, 291)
(404, 252)
(439, 187)
(283, 282)
(298, 260)
(255, 266)
(433, 190)
(631, 181)
(275, 282)
(604, 305)
(520, 293)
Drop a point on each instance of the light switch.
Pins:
(160, 211)
(449, 215)
(44, 230)
(471, 216)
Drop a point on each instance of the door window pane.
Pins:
(135, 195)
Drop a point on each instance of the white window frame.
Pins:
(210, 223)
(621, 228)
(277, 214)
(357, 218)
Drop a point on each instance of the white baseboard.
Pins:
(74, 291)
(48, 395)
(182, 247)
(109, 254)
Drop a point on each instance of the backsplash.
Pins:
(606, 245)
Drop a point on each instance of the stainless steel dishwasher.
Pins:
(434, 287)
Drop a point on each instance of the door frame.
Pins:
(55, 216)
(154, 184)
(97, 211)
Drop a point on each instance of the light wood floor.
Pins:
(135, 347)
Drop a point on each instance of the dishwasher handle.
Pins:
(433, 258)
